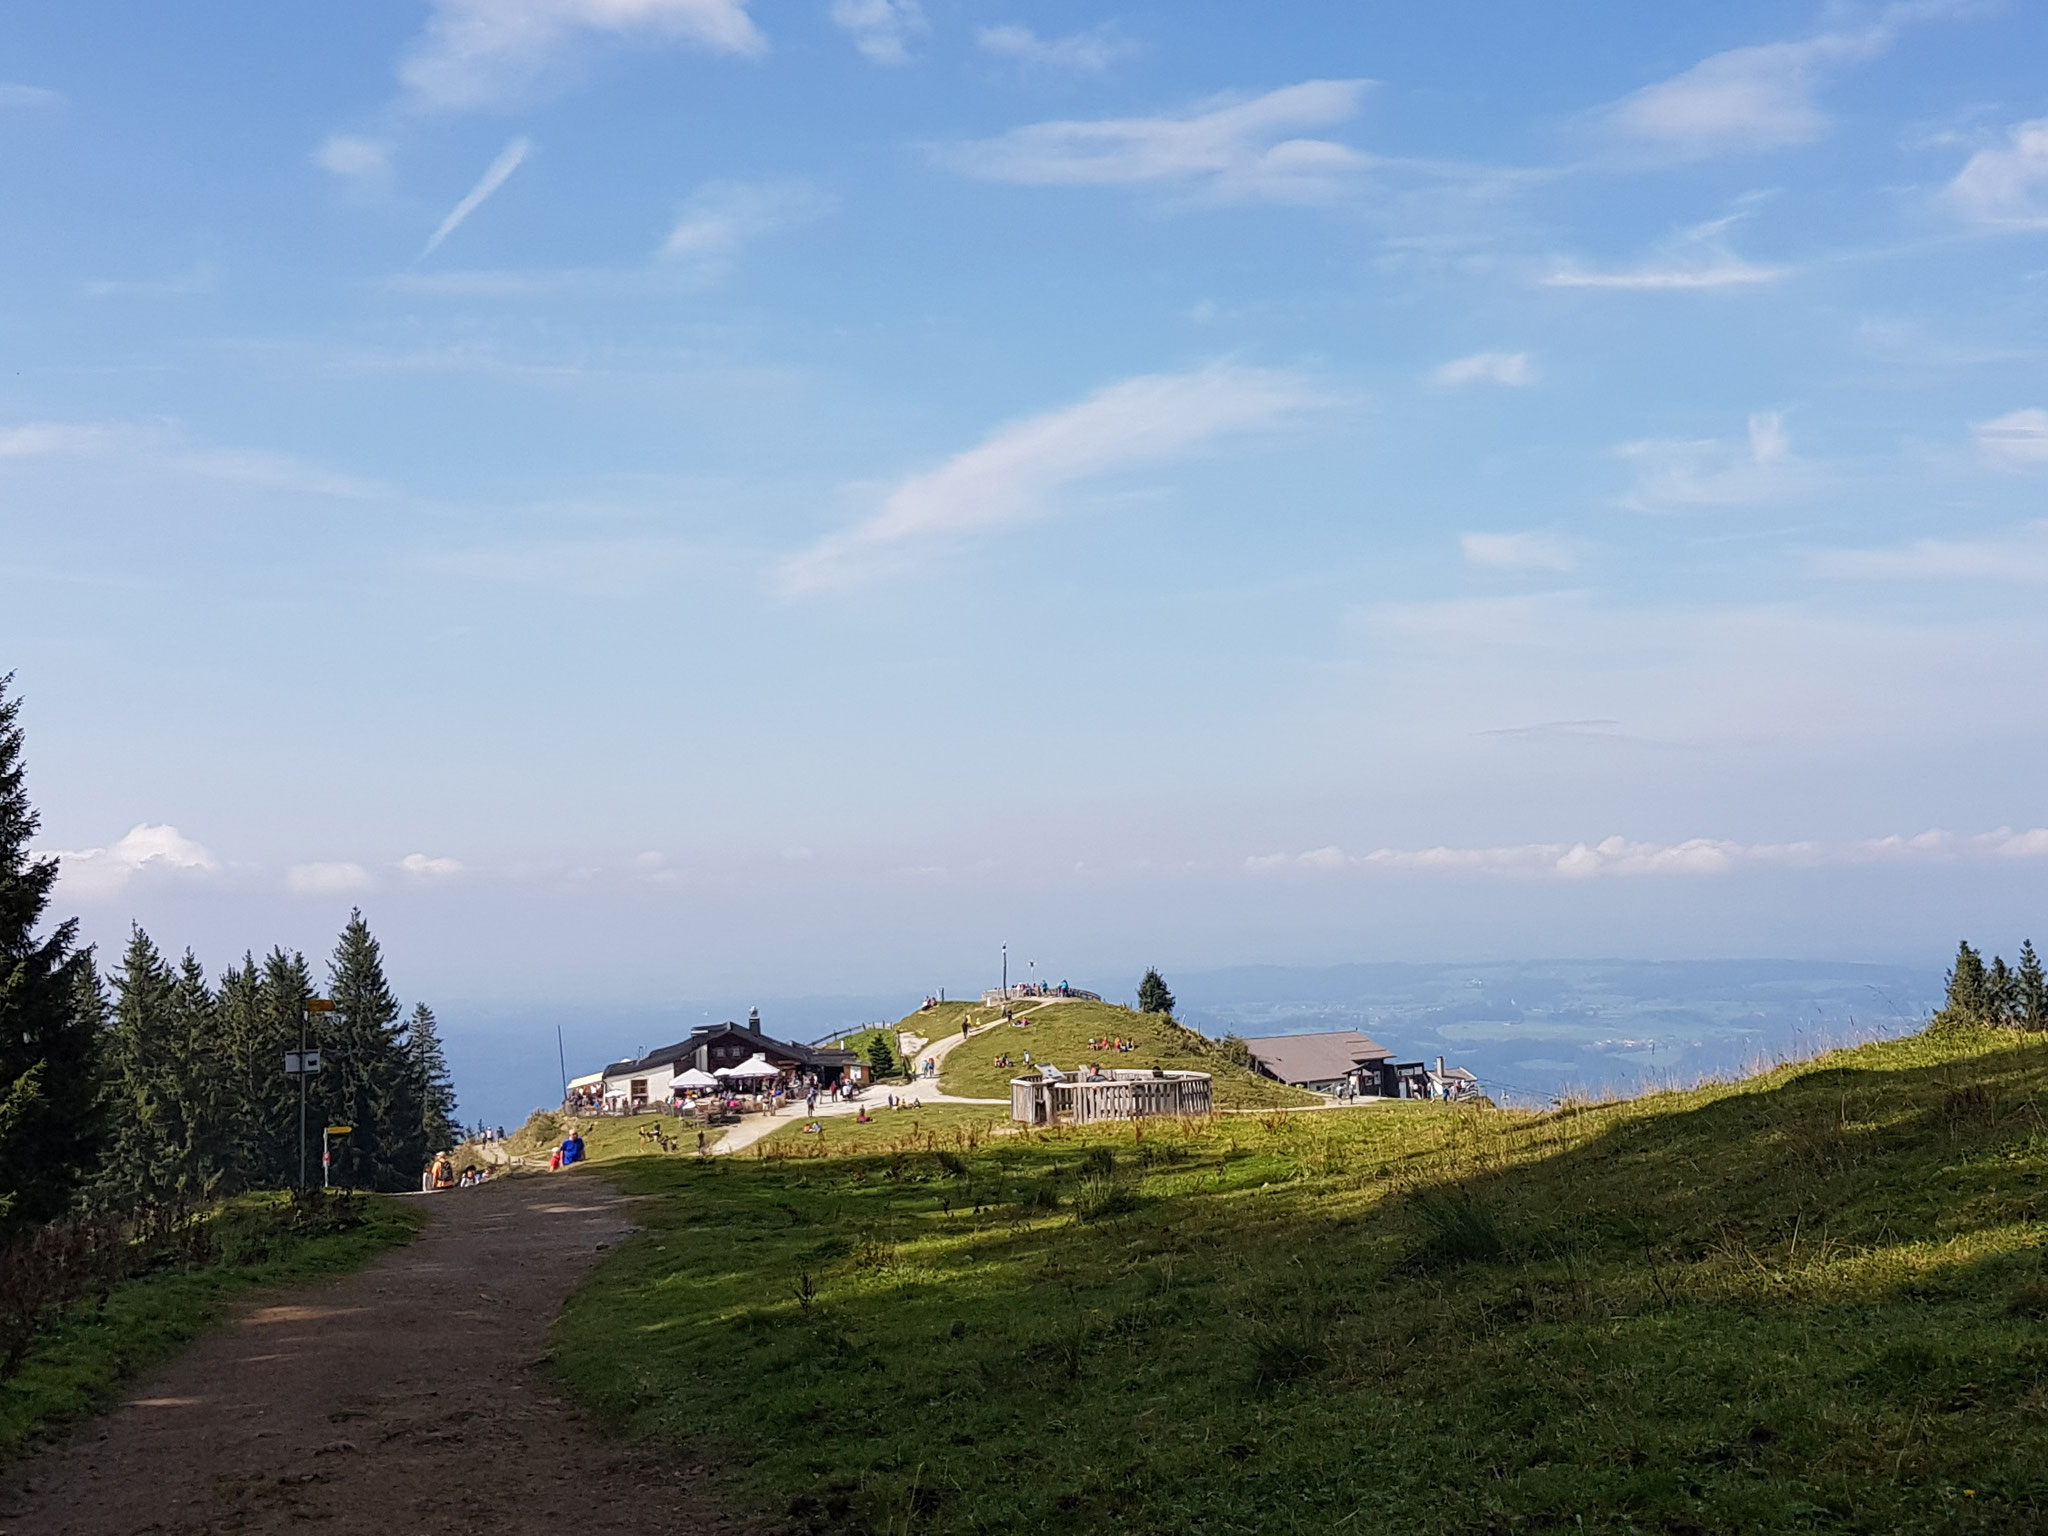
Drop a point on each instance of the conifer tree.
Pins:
(174, 1122)
(881, 1059)
(50, 1103)
(1968, 997)
(1153, 996)
(2032, 986)
(367, 1076)
(2001, 993)
(436, 1090)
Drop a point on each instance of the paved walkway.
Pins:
(923, 1090)
(405, 1397)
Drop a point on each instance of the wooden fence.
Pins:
(1121, 1095)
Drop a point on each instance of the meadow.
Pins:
(1811, 1301)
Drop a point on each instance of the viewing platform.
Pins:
(1141, 1093)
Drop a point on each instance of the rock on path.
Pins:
(405, 1397)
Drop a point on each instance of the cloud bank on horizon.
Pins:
(1196, 486)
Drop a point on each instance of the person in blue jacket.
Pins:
(572, 1148)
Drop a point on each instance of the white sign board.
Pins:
(297, 1062)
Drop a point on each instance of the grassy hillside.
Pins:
(923, 1127)
(1810, 1302)
(1060, 1032)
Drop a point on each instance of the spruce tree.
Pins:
(50, 1102)
(173, 1117)
(1968, 995)
(431, 1082)
(367, 1076)
(2032, 988)
(1153, 996)
(2001, 993)
(881, 1059)
(278, 1027)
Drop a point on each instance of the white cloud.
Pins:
(97, 873)
(156, 450)
(1674, 473)
(1017, 473)
(1517, 551)
(327, 879)
(881, 29)
(1089, 53)
(15, 97)
(2004, 185)
(1511, 368)
(2021, 558)
(1624, 858)
(721, 217)
(1695, 260)
(479, 54)
(56, 439)
(495, 175)
(1764, 97)
(2016, 438)
(1228, 148)
(429, 868)
(354, 158)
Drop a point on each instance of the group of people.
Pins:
(1113, 1043)
(440, 1174)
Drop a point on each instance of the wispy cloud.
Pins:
(881, 29)
(480, 54)
(2016, 438)
(354, 157)
(1018, 472)
(15, 97)
(1695, 260)
(1765, 97)
(1084, 53)
(1517, 551)
(2021, 558)
(95, 874)
(328, 879)
(201, 278)
(158, 450)
(510, 158)
(1229, 148)
(1713, 472)
(2004, 185)
(1625, 858)
(423, 867)
(1510, 368)
(721, 217)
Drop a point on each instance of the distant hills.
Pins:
(1533, 1029)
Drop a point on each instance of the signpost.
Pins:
(326, 1151)
(302, 1064)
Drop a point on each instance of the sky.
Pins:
(662, 499)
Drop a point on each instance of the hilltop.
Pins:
(1059, 1031)
(1809, 1301)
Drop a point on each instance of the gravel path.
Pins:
(402, 1398)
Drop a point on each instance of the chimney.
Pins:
(1439, 1066)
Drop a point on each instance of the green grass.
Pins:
(1815, 1301)
(77, 1367)
(924, 1127)
(1060, 1032)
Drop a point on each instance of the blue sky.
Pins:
(656, 498)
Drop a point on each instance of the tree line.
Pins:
(152, 1085)
(2012, 997)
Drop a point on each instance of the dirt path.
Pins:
(404, 1397)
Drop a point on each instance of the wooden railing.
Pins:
(1121, 1095)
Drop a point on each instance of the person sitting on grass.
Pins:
(572, 1148)
(863, 1118)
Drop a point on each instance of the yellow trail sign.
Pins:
(319, 1005)
(339, 1130)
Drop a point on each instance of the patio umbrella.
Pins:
(756, 1065)
(695, 1079)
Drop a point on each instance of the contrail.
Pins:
(508, 161)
